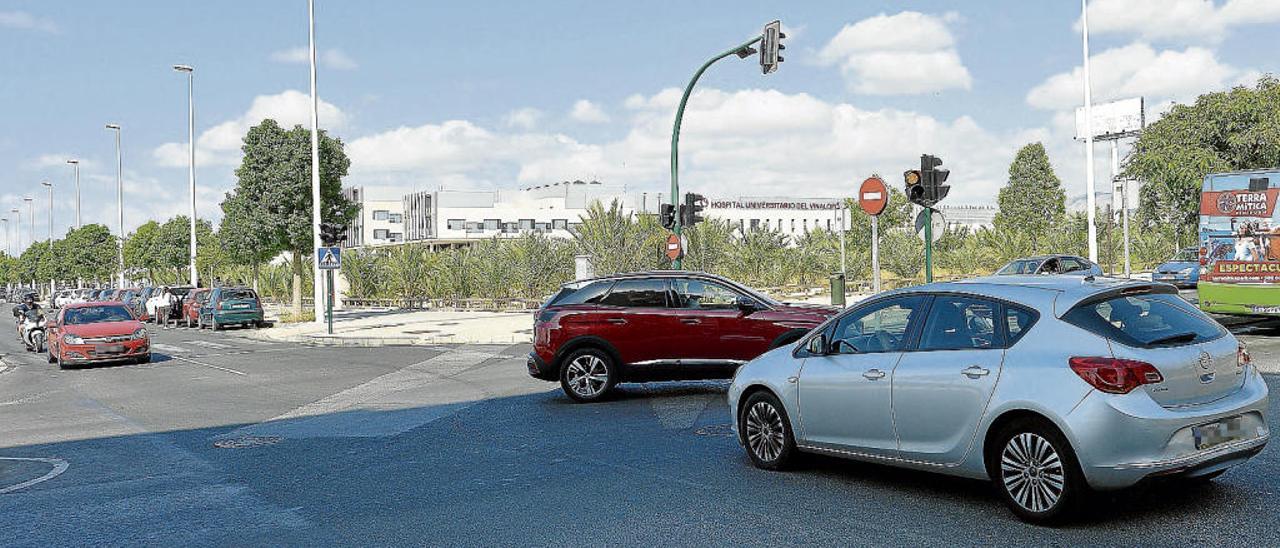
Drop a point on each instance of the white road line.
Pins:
(209, 344)
(168, 348)
(220, 368)
(59, 466)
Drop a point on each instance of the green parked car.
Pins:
(231, 306)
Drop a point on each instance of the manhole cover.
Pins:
(725, 430)
(246, 442)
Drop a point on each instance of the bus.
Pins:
(1240, 243)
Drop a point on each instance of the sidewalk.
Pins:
(380, 327)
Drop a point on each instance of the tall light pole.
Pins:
(318, 289)
(191, 163)
(119, 204)
(8, 241)
(76, 165)
(31, 213)
(53, 287)
(17, 225)
(1088, 138)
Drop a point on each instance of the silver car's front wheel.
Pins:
(1032, 472)
(766, 431)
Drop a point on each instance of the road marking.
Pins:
(59, 466)
(168, 348)
(209, 344)
(218, 367)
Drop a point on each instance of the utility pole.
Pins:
(76, 165)
(119, 205)
(318, 289)
(771, 44)
(52, 286)
(191, 163)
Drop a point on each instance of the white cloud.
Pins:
(57, 160)
(331, 58)
(588, 113)
(902, 54)
(1178, 20)
(25, 21)
(1138, 70)
(220, 144)
(524, 118)
(749, 142)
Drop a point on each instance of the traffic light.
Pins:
(691, 209)
(667, 216)
(770, 46)
(925, 186)
(332, 234)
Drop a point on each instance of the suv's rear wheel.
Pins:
(588, 375)
(1036, 473)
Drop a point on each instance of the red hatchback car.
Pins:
(97, 332)
(651, 326)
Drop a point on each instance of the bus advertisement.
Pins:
(1240, 243)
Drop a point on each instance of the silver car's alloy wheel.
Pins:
(587, 376)
(1032, 472)
(765, 431)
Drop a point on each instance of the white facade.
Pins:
(972, 216)
(791, 216)
(380, 219)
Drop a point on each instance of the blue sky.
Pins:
(509, 94)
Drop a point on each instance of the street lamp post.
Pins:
(119, 204)
(76, 164)
(17, 225)
(52, 285)
(318, 289)
(1088, 138)
(191, 162)
(8, 241)
(31, 221)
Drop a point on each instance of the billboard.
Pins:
(1239, 229)
(1121, 118)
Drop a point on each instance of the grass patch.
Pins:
(290, 317)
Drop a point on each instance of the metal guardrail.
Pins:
(423, 303)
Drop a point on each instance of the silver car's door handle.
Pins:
(873, 374)
(974, 371)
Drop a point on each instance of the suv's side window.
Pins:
(703, 295)
(882, 327)
(637, 294)
(1070, 264)
(960, 323)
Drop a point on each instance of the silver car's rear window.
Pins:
(1147, 320)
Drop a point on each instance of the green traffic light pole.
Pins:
(928, 244)
(741, 51)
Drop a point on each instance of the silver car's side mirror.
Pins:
(817, 346)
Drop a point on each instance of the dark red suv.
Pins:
(651, 326)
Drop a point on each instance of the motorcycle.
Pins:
(32, 330)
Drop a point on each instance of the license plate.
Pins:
(1217, 433)
(109, 349)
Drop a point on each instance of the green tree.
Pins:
(141, 249)
(1033, 200)
(618, 241)
(902, 253)
(1222, 131)
(274, 182)
(91, 252)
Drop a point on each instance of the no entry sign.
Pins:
(873, 196)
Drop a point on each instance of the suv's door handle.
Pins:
(617, 321)
(690, 321)
(974, 371)
(873, 374)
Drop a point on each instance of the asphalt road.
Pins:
(224, 440)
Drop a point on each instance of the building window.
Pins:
(806, 225)
(793, 225)
(380, 234)
(457, 224)
(526, 224)
(542, 226)
(473, 227)
(396, 236)
(381, 214)
(828, 225)
(560, 224)
(492, 224)
(397, 217)
(510, 227)
(755, 224)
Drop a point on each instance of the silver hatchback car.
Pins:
(1049, 386)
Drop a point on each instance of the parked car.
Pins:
(231, 306)
(1051, 264)
(1049, 387)
(191, 304)
(650, 326)
(85, 333)
(63, 297)
(1183, 270)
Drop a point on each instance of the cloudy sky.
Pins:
(487, 94)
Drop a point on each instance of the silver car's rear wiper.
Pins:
(1179, 338)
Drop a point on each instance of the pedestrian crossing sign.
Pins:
(329, 258)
